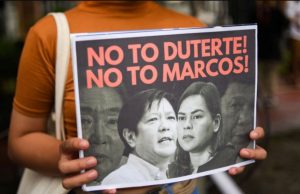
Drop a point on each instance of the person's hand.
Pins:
(258, 153)
(110, 191)
(70, 165)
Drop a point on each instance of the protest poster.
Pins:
(165, 105)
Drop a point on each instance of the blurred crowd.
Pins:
(278, 44)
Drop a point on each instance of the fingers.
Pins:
(110, 191)
(70, 148)
(80, 179)
(236, 170)
(257, 154)
(73, 145)
(71, 166)
(257, 133)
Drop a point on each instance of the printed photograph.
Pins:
(160, 106)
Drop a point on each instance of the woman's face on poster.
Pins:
(195, 124)
(156, 137)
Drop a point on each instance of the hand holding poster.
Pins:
(160, 106)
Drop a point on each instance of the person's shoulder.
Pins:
(177, 17)
(44, 26)
(114, 177)
(42, 35)
(117, 176)
(176, 170)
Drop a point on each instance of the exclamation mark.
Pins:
(246, 64)
(245, 44)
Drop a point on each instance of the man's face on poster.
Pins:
(100, 110)
(157, 135)
(237, 109)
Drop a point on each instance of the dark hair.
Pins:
(182, 164)
(121, 90)
(133, 110)
(208, 91)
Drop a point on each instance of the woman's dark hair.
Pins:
(135, 107)
(208, 91)
(211, 96)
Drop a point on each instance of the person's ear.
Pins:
(217, 122)
(130, 137)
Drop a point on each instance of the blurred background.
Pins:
(278, 89)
